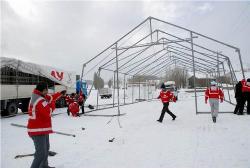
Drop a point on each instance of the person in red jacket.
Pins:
(74, 109)
(39, 124)
(81, 100)
(70, 99)
(166, 96)
(245, 96)
(214, 94)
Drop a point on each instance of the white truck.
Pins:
(19, 78)
(105, 93)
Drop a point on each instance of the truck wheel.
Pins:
(11, 109)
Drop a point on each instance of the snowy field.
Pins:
(191, 141)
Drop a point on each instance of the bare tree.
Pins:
(110, 83)
(98, 82)
(179, 75)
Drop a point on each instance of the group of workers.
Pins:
(74, 102)
(214, 95)
(242, 95)
(42, 105)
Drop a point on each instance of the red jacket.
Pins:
(69, 99)
(40, 109)
(74, 108)
(245, 87)
(166, 96)
(215, 94)
(80, 99)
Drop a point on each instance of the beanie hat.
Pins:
(213, 83)
(41, 86)
(163, 86)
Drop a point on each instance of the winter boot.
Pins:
(174, 117)
(159, 121)
(68, 112)
(214, 119)
(52, 153)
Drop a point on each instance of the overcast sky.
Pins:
(65, 34)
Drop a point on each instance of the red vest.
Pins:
(245, 87)
(40, 109)
(166, 96)
(214, 94)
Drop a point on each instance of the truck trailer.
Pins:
(19, 78)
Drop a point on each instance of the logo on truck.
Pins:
(57, 75)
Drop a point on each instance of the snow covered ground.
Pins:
(191, 141)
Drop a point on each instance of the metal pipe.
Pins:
(205, 60)
(144, 68)
(196, 106)
(124, 89)
(139, 88)
(153, 43)
(226, 82)
(190, 43)
(115, 43)
(150, 25)
(149, 57)
(241, 65)
(201, 64)
(168, 61)
(99, 73)
(195, 33)
(114, 91)
(117, 75)
(142, 61)
(128, 48)
(133, 89)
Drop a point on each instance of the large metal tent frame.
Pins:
(155, 45)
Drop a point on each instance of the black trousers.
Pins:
(82, 108)
(239, 103)
(165, 109)
(248, 103)
(245, 98)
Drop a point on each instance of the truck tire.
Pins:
(11, 109)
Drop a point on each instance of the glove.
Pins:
(63, 92)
